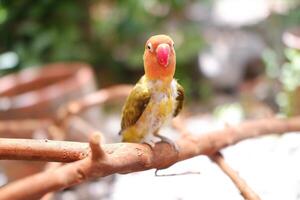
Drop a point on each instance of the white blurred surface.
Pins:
(224, 62)
(270, 165)
(240, 12)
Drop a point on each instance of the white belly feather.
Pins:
(160, 108)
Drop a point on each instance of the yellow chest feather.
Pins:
(159, 109)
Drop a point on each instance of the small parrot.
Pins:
(156, 98)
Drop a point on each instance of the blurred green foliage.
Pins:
(283, 62)
(110, 35)
(290, 79)
(290, 76)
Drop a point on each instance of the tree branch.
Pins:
(207, 143)
(42, 150)
(123, 157)
(90, 100)
(245, 190)
(96, 150)
(22, 128)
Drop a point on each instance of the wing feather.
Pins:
(179, 100)
(135, 104)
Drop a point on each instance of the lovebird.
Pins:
(156, 98)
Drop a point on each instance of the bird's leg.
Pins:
(150, 139)
(167, 140)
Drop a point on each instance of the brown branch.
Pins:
(207, 143)
(97, 151)
(245, 190)
(48, 196)
(80, 125)
(22, 128)
(42, 150)
(56, 133)
(179, 124)
(97, 98)
(81, 128)
(126, 158)
(50, 166)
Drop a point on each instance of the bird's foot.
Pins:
(169, 141)
(150, 140)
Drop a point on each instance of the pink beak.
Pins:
(162, 54)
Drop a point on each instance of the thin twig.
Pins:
(97, 151)
(81, 127)
(245, 190)
(56, 133)
(175, 174)
(79, 124)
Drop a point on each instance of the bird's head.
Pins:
(159, 58)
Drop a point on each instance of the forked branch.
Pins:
(123, 157)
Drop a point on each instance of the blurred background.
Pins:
(237, 60)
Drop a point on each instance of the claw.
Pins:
(150, 143)
(151, 140)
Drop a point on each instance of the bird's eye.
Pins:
(173, 45)
(149, 46)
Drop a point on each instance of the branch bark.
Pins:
(207, 143)
(123, 157)
(42, 150)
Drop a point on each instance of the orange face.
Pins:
(159, 58)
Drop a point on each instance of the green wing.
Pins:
(135, 104)
(179, 99)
